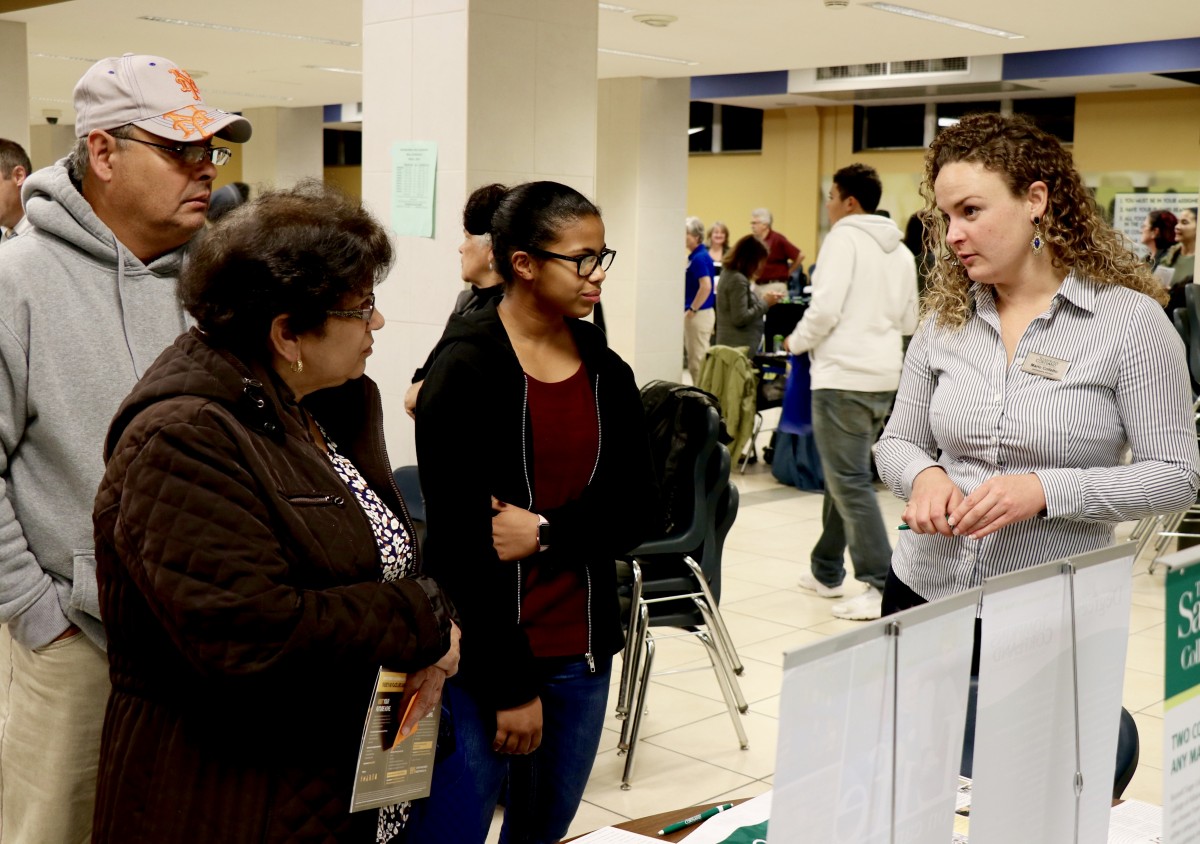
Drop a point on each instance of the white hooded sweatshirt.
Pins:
(864, 299)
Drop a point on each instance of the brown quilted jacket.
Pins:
(240, 590)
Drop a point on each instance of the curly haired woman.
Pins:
(1042, 357)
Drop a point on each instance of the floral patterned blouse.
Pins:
(397, 560)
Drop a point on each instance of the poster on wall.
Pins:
(414, 182)
(1130, 210)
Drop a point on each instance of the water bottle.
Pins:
(777, 343)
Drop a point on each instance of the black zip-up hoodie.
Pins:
(474, 441)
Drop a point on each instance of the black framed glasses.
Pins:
(364, 314)
(191, 155)
(585, 265)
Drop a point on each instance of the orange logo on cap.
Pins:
(188, 120)
(186, 83)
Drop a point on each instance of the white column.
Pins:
(507, 90)
(641, 186)
(14, 90)
(288, 145)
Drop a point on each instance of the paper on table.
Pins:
(612, 835)
(1135, 823)
(962, 799)
(719, 827)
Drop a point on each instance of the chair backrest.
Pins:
(683, 425)
(1192, 296)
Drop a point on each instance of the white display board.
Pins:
(901, 682)
(1046, 707)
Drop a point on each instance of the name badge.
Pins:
(1045, 366)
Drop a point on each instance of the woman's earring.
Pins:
(298, 365)
(491, 266)
(1038, 243)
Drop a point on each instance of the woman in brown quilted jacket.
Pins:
(256, 563)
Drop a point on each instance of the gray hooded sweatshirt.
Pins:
(81, 319)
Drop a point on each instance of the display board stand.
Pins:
(870, 730)
(1051, 673)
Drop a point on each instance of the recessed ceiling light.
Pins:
(926, 16)
(225, 28)
(334, 69)
(658, 21)
(247, 95)
(647, 56)
(63, 58)
(610, 7)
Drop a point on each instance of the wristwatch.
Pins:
(543, 533)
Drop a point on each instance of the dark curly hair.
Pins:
(298, 252)
(531, 215)
(481, 205)
(1077, 237)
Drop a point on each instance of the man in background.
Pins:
(87, 302)
(14, 168)
(782, 256)
(864, 300)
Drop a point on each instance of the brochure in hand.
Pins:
(393, 767)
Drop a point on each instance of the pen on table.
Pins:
(694, 819)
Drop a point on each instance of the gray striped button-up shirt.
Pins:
(961, 406)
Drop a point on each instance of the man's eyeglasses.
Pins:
(191, 155)
(364, 314)
(585, 265)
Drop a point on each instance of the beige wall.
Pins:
(1122, 141)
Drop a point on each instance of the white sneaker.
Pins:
(807, 581)
(864, 607)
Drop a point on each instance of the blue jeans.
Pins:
(544, 788)
(845, 426)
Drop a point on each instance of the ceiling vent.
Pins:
(837, 81)
(958, 64)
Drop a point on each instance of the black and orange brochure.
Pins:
(393, 767)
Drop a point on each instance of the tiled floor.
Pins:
(689, 752)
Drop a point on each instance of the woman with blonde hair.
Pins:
(718, 246)
(1043, 355)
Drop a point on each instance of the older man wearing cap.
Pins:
(87, 302)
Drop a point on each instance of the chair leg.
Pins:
(744, 457)
(638, 634)
(728, 685)
(718, 621)
(723, 667)
(643, 688)
(629, 657)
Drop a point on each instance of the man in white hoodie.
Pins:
(87, 302)
(864, 300)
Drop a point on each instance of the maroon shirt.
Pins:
(566, 437)
(779, 251)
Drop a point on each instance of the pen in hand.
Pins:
(694, 819)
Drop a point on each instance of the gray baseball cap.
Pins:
(153, 94)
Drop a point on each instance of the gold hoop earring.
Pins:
(1038, 243)
(297, 365)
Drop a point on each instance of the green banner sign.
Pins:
(1182, 635)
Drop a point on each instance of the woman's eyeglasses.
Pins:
(364, 314)
(585, 265)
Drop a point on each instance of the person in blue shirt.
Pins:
(699, 316)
